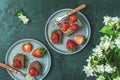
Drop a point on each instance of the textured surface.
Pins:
(63, 67)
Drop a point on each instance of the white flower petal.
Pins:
(101, 78)
(88, 70)
(107, 20)
(99, 68)
(117, 78)
(109, 69)
(24, 19)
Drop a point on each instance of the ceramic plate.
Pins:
(16, 48)
(61, 48)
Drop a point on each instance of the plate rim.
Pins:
(6, 56)
(68, 53)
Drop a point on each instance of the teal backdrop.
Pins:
(64, 67)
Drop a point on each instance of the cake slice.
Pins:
(18, 61)
(35, 69)
(70, 25)
(56, 36)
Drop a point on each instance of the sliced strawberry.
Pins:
(72, 18)
(55, 37)
(39, 52)
(71, 45)
(73, 27)
(33, 72)
(27, 47)
(17, 64)
(64, 26)
(79, 39)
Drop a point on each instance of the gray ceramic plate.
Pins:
(16, 48)
(61, 48)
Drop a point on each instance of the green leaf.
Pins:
(92, 62)
(107, 30)
(109, 78)
(19, 12)
(114, 75)
(117, 33)
(118, 52)
(117, 61)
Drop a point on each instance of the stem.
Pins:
(114, 31)
(107, 53)
(107, 60)
(109, 78)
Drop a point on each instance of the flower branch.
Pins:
(104, 61)
(22, 17)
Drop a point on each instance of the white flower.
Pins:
(99, 68)
(89, 59)
(101, 78)
(118, 25)
(88, 70)
(107, 20)
(97, 49)
(24, 19)
(104, 38)
(98, 52)
(115, 19)
(98, 62)
(111, 21)
(112, 44)
(109, 69)
(106, 43)
(117, 78)
(117, 42)
(105, 46)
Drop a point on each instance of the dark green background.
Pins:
(64, 67)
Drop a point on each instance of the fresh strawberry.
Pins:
(71, 45)
(17, 64)
(73, 27)
(55, 37)
(33, 72)
(39, 52)
(72, 18)
(27, 47)
(79, 39)
(64, 26)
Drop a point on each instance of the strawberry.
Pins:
(71, 45)
(79, 39)
(27, 47)
(72, 18)
(64, 26)
(39, 52)
(73, 27)
(17, 64)
(33, 72)
(55, 37)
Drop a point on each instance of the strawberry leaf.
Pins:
(71, 49)
(42, 51)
